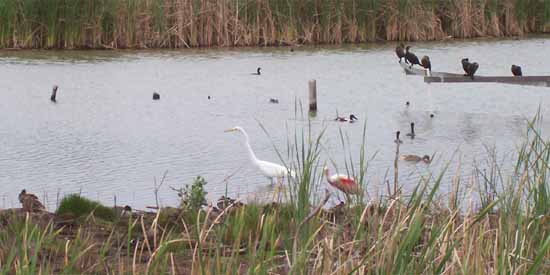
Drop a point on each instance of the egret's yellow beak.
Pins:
(230, 130)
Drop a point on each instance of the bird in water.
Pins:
(412, 134)
(30, 202)
(516, 70)
(414, 158)
(346, 184)
(425, 62)
(469, 68)
(407, 103)
(273, 100)
(352, 118)
(397, 140)
(271, 170)
(258, 71)
(411, 57)
(209, 97)
(156, 96)
(400, 51)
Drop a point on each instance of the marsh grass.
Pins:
(202, 23)
(78, 206)
(496, 222)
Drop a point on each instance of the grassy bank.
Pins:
(493, 223)
(194, 23)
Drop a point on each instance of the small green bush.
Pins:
(193, 197)
(79, 206)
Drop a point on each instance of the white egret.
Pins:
(268, 169)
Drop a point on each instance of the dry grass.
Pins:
(204, 23)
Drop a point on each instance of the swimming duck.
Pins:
(407, 103)
(156, 96)
(352, 118)
(400, 51)
(411, 57)
(273, 100)
(469, 68)
(516, 70)
(425, 62)
(397, 140)
(258, 71)
(414, 158)
(30, 202)
(411, 134)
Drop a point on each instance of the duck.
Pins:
(351, 119)
(411, 57)
(407, 104)
(156, 96)
(30, 202)
(414, 158)
(273, 100)
(469, 68)
(425, 62)
(412, 134)
(400, 51)
(257, 71)
(516, 70)
(397, 140)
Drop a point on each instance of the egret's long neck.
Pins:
(250, 152)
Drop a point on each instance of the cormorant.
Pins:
(400, 51)
(425, 62)
(411, 57)
(516, 70)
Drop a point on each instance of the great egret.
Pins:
(343, 183)
(268, 169)
(415, 158)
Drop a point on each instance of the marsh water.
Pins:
(106, 137)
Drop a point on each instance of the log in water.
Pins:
(541, 81)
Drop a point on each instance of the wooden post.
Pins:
(313, 95)
(54, 93)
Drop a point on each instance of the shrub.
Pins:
(193, 197)
(79, 206)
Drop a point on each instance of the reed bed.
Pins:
(493, 223)
(70, 24)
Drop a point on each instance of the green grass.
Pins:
(78, 206)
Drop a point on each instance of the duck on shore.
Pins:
(414, 158)
(411, 57)
(30, 202)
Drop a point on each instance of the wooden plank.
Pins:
(541, 81)
(417, 70)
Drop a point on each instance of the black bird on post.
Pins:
(156, 96)
(425, 62)
(516, 70)
(54, 94)
(397, 139)
(412, 134)
(400, 51)
(469, 68)
(411, 57)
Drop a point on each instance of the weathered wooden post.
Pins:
(54, 93)
(313, 95)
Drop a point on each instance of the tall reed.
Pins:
(203, 23)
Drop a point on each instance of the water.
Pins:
(106, 137)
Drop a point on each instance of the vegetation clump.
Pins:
(78, 206)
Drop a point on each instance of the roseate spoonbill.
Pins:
(343, 183)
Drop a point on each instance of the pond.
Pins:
(106, 137)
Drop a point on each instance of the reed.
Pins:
(100, 24)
